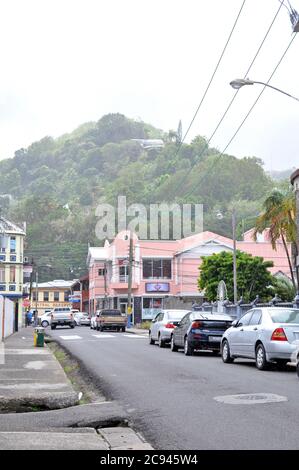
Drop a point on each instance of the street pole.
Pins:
(234, 256)
(36, 298)
(130, 278)
(105, 284)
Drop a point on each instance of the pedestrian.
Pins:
(28, 318)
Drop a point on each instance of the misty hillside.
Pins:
(55, 185)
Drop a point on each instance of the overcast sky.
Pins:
(65, 62)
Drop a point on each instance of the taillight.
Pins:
(169, 325)
(279, 335)
(196, 325)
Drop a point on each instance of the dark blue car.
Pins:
(201, 331)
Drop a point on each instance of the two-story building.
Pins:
(162, 269)
(48, 295)
(11, 266)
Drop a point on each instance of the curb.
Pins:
(45, 401)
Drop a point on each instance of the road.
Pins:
(171, 397)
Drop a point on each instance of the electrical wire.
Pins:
(211, 79)
(245, 118)
(206, 146)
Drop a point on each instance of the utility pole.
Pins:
(130, 278)
(36, 297)
(234, 256)
(105, 284)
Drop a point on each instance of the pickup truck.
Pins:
(108, 319)
(62, 317)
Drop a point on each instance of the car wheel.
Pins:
(215, 352)
(150, 339)
(45, 324)
(260, 357)
(225, 353)
(72, 326)
(161, 342)
(97, 328)
(123, 329)
(188, 350)
(281, 364)
(173, 346)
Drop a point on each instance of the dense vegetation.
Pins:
(55, 185)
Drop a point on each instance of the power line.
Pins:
(237, 91)
(246, 117)
(212, 78)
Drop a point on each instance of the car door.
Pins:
(236, 337)
(251, 333)
(180, 330)
(156, 325)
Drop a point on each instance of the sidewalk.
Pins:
(137, 331)
(31, 377)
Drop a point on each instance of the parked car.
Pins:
(108, 319)
(82, 318)
(93, 322)
(201, 331)
(163, 325)
(264, 334)
(45, 319)
(62, 317)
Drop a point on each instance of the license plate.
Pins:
(215, 339)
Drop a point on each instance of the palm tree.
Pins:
(279, 218)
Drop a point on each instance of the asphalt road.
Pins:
(171, 398)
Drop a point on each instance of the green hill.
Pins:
(55, 185)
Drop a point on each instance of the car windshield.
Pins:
(285, 316)
(110, 313)
(176, 315)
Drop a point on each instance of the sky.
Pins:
(66, 62)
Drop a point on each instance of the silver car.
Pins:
(163, 324)
(264, 334)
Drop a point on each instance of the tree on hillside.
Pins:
(252, 275)
(279, 217)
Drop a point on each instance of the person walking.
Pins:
(28, 318)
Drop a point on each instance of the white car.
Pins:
(82, 318)
(163, 324)
(45, 319)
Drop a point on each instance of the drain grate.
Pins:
(250, 399)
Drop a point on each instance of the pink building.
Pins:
(162, 269)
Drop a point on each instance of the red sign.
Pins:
(26, 303)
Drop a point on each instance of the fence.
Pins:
(236, 311)
(6, 317)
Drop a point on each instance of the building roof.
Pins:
(294, 175)
(7, 226)
(56, 284)
(97, 253)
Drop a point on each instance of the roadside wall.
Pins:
(6, 317)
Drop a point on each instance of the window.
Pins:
(12, 244)
(46, 296)
(56, 296)
(34, 296)
(12, 275)
(285, 316)
(2, 274)
(123, 273)
(102, 272)
(13, 258)
(244, 321)
(256, 317)
(66, 295)
(157, 268)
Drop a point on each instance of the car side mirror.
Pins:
(235, 323)
(154, 320)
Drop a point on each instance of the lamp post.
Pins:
(234, 227)
(240, 82)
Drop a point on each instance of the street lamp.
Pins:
(233, 215)
(240, 82)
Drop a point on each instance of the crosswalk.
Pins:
(102, 336)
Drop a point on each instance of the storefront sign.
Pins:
(157, 287)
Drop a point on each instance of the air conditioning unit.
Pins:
(26, 259)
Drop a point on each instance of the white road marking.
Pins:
(103, 336)
(135, 336)
(35, 365)
(71, 337)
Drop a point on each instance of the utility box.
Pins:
(39, 337)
